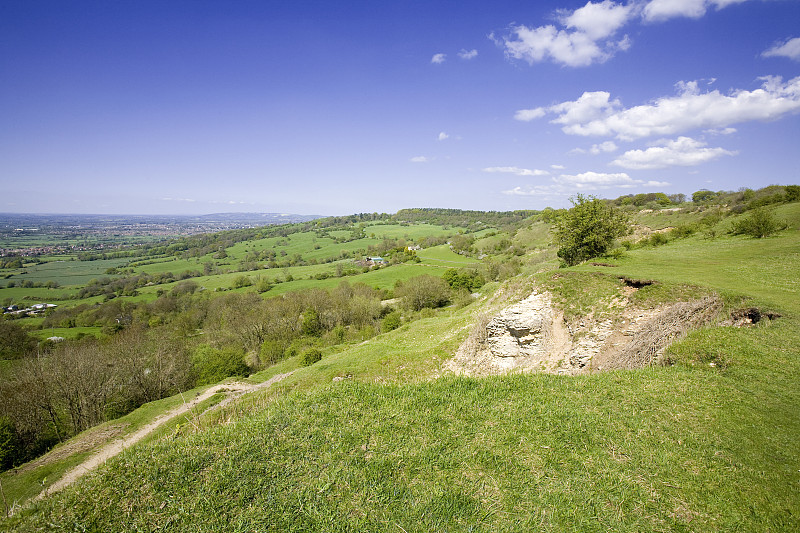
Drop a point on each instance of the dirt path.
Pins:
(113, 448)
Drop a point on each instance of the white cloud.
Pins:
(660, 10)
(594, 113)
(683, 151)
(419, 159)
(557, 167)
(567, 184)
(603, 148)
(179, 199)
(438, 59)
(598, 20)
(587, 38)
(468, 54)
(600, 180)
(596, 149)
(526, 115)
(721, 131)
(790, 49)
(443, 136)
(517, 171)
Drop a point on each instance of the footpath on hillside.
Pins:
(234, 390)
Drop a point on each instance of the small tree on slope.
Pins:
(588, 229)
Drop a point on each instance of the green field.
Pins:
(66, 273)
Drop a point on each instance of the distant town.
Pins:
(32, 235)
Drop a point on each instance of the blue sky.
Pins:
(359, 106)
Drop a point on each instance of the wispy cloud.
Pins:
(526, 115)
(595, 113)
(419, 159)
(516, 171)
(568, 184)
(683, 151)
(596, 149)
(660, 10)
(443, 136)
(468, 54)
(438, 59)
(789, 48)
(168, 199)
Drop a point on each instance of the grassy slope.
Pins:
(691, 447)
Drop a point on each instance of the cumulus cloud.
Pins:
(660, 10)
(517, 171)
(468, 54)
(595, 113)
(586, 36)
(438, 59)
(557, 167)
(419, 159)
(443, 136)
(789, 48)
(683, 151)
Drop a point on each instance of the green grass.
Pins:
(67, 333)
(408, 232)
(22, 484)
(66, 273)
(688, 447)
(444, 256)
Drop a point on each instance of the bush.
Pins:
(760, 223)
(391, 321)
(657, 239)
(588, 229)
(469, 280)
(263, 285)
(792, 193)
(212, 365)
(424, 291)
(310, 356)
(241, 281)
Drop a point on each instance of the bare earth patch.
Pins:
(532, 336)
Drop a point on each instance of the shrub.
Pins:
(657, 239)
(792, 193)
(588, 229)
(391, 321)
(424, 291)
(263, 285)
(760, 223)
(310, 356)
(241, 281)
(212, 365)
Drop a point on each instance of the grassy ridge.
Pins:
(709, 444)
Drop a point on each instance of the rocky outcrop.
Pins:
(519, 331)
(532, 336)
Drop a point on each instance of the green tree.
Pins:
(703, 195)
(588, 229)
(15, 342)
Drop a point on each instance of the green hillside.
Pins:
(376, 437)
